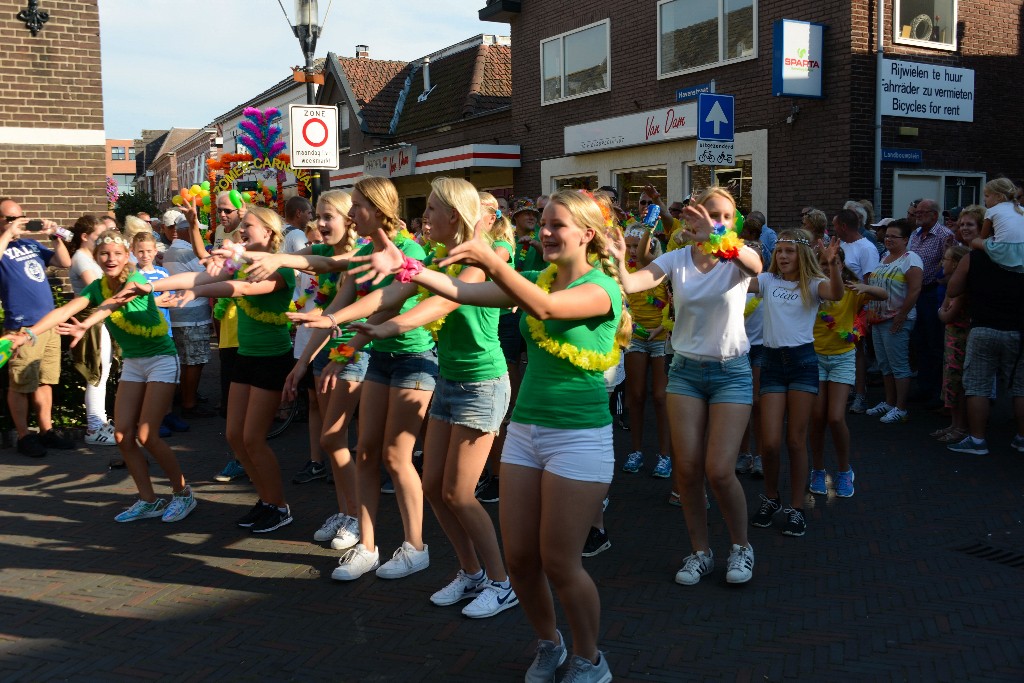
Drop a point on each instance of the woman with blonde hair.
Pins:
(397, 387)
(263, 363)
(710, 389)
(558, 457)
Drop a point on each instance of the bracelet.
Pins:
(410, 267)
(722, 242)
(343, 354)
(330, 316)
(32, 338)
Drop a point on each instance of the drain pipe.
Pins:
(879, 64)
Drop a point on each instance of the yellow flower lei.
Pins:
(452, 271)
(258, 314)
(117, 318)
(581, 358)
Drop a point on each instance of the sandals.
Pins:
(938, 433)
(953, 436)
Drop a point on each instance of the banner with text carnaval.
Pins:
(262, 137)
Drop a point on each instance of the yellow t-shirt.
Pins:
(229, 327)
(828, 342)
(648, 307)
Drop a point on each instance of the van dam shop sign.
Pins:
(673, 123)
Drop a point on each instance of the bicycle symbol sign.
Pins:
(715, 153)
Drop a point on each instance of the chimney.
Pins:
(426, 74)
(362, 51)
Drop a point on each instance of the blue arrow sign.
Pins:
(715, 117)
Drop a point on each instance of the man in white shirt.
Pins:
(297, 212)
(861, 255)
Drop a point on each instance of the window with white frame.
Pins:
(927, 23)
(697, 34)
(575, 64)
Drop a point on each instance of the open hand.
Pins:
(72, 328)
(383, 261)
(475, 252)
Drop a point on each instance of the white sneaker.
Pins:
(104, 436)
(894, 416)
(355, 563)
(740, 567)
(694, 567)
(880, 409)
(494, 599)
(347, 534)
(462, 587)
(330, 527)
(406, 560)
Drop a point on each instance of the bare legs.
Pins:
(773, 409)
(337, 408)
(139, 408)
(250, 412)
(830, 409)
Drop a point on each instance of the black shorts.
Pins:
(263, 372)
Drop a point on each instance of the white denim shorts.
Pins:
(578, 454)
(153, 369)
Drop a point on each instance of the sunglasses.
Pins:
(644, 202)
(219, 210)
(11, 219)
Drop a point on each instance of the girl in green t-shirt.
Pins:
(558, 457)
(264, 359)
(149, 374)
(470, 402)
(396, 390)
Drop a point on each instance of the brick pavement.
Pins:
(891, 584)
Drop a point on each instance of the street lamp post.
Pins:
(307, 29)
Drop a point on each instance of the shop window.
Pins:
(737, 178)
(577, 182)
(117, 153)
(926, 23)
(575, 64)
(697, 34)
(630, 185)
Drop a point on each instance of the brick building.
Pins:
(445, 114)
(52, 144)
(596, 97)
(163, 170)
(120, 155)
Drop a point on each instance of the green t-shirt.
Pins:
(413, 341)
(327, 289)
(467, 344)
(266, 334)
(555, 393)
(138, 315)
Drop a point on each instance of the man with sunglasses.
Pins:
(27, 297)
(228, 219)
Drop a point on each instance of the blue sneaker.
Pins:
(663, 470)
(233, 470)
(634, 461)
(387, 486)
(175, 423)
(165, 431)
(844, 484)
(140, 509)
(181, 505)
(1017, 443)
(817, 485)
(969, 445)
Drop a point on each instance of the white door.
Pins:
(910, 186)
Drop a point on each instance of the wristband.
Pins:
(722, 242)
(410, 267)
(343, 354)
(32, 338)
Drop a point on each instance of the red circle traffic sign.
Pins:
(305, 135)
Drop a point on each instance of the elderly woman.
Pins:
(899, 273)
(815, 222)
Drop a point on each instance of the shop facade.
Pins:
(606, 95)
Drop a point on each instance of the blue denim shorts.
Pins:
(724, 381)
(840, 368)
(353, 372)
(789, 368)
(654, 349)
(757, 355)
(478, 405)
(403, 370)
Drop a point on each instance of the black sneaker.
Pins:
(54, 439)
(273, 518)
(795, 523)
(597, 542)
(769, 506)
(31, 446)
(489, 492)
(311, 472)
(249, 518)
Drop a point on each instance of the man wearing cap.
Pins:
(529, 253)
(27, 297)
(190, 324)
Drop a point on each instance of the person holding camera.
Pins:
(26, 297)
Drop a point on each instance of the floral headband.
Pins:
(792, 240)
(117, 239)
(633, 231)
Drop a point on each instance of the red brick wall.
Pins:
(52, 80)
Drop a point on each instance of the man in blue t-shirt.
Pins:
(26, 297)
